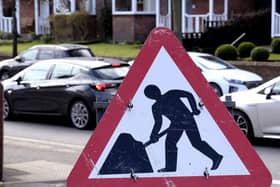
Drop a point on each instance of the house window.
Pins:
(90, 6)
(146, 5)
(63, 6)
(7, 8)
(121, 7)
(86, 5)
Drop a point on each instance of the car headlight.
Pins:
(234, 81)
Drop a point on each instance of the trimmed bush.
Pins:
(226, 52)
(78, 26)
(275, 45)
(259, 54)
(248, 23)
(244, 49)
(46, 39)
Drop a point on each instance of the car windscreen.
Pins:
(214, 63)
(111, 72)
(80, 53)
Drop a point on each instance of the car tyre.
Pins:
(244, 123)
(80, 115)
(216, 88)
(7, 113)
(4, 75)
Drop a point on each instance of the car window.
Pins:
(276, 89)
(111, 72)
(60, 53)
(64, 71)
(213, 62)
(36, 72)
(46, 53)
(30, 54)
(79, 53)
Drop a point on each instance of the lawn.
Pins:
(128, 51)
(274, 57)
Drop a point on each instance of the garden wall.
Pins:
(267, 70)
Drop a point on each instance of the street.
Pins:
(43, 151)
(39, 151)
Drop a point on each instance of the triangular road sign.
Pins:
(166, 127)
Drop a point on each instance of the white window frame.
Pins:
(133, 9)
(93, 7)
(72, 7)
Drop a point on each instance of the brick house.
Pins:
(131, 20)
(33, 16)
(143, 15)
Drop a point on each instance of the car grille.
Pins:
(252, 84)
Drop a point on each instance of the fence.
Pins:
(199, 23)
(275, 25)
(43, 26)
(6, 24)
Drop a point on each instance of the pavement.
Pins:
(26, 174)
(25, 166)
(35, 184)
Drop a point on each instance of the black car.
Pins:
(64, 87)
(30, 56)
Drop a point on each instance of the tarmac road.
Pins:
(41, 154)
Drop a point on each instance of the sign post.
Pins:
(1, 132)
(166, 127)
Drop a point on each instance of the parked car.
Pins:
(256, 110)
(64, 87)
(222, 76)
(30, 56)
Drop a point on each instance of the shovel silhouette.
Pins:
(128, 156)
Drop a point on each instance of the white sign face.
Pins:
(139, 123)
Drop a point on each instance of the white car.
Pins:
(222, 76)
(256, 110)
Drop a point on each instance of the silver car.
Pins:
(222, 76)
(256, 110)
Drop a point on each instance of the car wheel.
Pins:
(6, 109)
(216, 89)
(244, 123)
(80, 115)
(4, 75)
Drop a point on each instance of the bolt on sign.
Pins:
(166, 127)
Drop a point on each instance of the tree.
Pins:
(176, 19)
(15, 34)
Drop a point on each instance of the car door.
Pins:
(25, 59)
(56, 92)
(268, 111)
(26, 98)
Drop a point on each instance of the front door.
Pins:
(163, 13)
(42, 14)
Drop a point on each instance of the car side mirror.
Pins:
(268, 92)
(18, 80)
(19, 59)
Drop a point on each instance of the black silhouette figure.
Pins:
(182, 120)
(126, 156)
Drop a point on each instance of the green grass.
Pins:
(274, 57)
(115, 50)
(99, 49)
(128, 51)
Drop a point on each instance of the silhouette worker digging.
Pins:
(170, 105)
